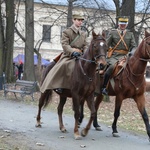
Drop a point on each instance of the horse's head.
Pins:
(145, 45)
(99, 49)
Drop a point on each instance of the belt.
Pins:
(121, 51)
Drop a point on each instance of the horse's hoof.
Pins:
(84, 132)
(115, 134)
(63, 130)
(38, 126)
(98, 129)
(77, 137)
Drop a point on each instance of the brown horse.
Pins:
(129, 83)
(83, 83)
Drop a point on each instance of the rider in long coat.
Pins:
(120, 41)
(74, 43)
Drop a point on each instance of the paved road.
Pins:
(19, 117)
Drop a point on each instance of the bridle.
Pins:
(142, 59)
(91, 61)
(147, 51)
(95, 57)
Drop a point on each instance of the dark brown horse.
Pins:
(83, 83)
(129, 83)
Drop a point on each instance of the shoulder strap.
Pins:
(75, 39)
(121, 37)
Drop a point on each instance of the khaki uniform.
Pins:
(113, 40)
(119, 50)
(59, 75)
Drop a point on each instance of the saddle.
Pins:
(119, 66)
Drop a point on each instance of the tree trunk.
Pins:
(69, 15)
(1, 42)
(117, 4)
(9, 44)
(29, 73)
(128, 9)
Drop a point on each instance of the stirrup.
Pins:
(104, 91)
(59, 90)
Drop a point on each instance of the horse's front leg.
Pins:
(76, 104)
(81, 113)
(98, 100)
(90, 103)
(140, 100)
(118, 103)
(40, 105)
(61, 104)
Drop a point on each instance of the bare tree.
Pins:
(70, 8)
(29, 73)
(9, 42)
(1, 41)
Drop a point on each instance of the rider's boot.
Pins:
(104, 89)
(59, 90)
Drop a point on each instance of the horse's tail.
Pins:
(47, 98)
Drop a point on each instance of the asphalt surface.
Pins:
(21, 118)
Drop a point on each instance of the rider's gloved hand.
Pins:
(75, 54)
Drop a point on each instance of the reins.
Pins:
(95, 58)
(90, 61)
(142, 59)
(148, 53)
(90, 79)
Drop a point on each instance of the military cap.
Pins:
(77, 16)
(123, 20)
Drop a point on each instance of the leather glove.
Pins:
(75, 54)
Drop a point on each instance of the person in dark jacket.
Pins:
(120, 41)
(20, 69)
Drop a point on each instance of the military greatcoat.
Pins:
(113, 39)
(59, 76)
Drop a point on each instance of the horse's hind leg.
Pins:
(98, 100)
(118, 103)
(140, 100)
(60, 111)
(40, 105)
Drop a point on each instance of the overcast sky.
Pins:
(110, 3)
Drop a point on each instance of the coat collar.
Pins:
(75, 29)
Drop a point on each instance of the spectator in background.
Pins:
(20, 69)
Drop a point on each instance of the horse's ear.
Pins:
(147, 34)
(104, 33)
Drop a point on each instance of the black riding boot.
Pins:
(106, 79)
